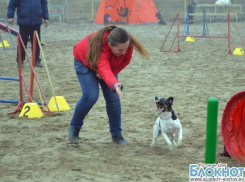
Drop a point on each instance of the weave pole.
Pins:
(211, 132)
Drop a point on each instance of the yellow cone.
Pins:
(62, 104)
(189, 39)
(5, 43)
(238, 51)
(31, 110)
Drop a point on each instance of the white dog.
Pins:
(167, 123)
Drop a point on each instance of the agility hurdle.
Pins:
(21, 79)
(10, 31)
(178, 35)
(13, 101)
(176, 20)
(204, 21)
(11, 79)
(25, 106)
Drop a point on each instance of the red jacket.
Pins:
(109, 65)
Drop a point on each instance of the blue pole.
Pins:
(188, 22)
(7, 78)
(17, 101)
(186, 25)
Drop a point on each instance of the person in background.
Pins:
(29, 18)
(191, 9)
(99, 57)
(161, 21)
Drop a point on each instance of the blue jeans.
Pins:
(89, 83)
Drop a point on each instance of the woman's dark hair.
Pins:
(117, 36)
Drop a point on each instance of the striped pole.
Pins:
(34, 48)
(211, 132)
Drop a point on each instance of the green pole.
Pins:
(211, 132)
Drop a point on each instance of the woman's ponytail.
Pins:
(95, 47)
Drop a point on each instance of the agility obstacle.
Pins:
(187, 24)
(22, 81)
(56, 103)
(178, 36)
(10, 31)
(30, 108)
(211, 132)
(13, 101)
(233, 127)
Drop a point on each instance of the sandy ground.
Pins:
(38, 149)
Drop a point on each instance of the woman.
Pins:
(99, 57)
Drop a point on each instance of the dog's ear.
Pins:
(170, 100)
(157, 98)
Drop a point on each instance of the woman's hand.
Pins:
(97, 74)
(118, 89)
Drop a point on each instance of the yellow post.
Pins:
(92, 9)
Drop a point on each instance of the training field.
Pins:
(38, 149)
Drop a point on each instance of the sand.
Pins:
(39, 150)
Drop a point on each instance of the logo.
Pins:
(215, 172)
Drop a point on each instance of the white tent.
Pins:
(223, 2)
